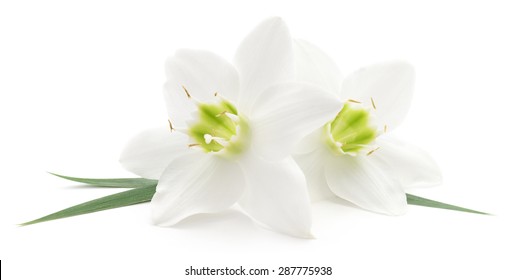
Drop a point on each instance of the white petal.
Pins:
(264, 58)
(360, 181)
(149, 153)
(276, 195)
(287, 112)
(390, 85)
(196, 183)
(412, 166)
(312, 165)
(311, 142)
(314, 66)
(202, 74)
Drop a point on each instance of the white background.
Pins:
(77, 80)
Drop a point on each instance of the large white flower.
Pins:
(232, 129)
(351, 156)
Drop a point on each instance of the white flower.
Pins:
(232, 130)
(351, 156)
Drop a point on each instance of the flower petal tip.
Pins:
(274, 21)
(309, 235)
(301, 234)
(398, 210)
(161, 221)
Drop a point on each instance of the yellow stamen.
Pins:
(170, 125)
(372, 102)
(186, 91)
(221, 113)
(372, 151)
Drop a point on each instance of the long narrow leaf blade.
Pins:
(125, 198)
(113, 183)
(141, 194)
(421, 201)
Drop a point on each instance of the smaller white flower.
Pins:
(232, 131)
(351, 156)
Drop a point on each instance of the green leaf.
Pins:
(421, 201)
(125, 198)
(113, 183)
(144, 189)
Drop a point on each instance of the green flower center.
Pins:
(219, 128)
(352, 130)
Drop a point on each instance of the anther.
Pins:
(193, 145)
(215, 94)
(170, 126)
(186, 91)
(372, 102)
(372, 151)
(354, 101)
(385, 128)
(221, 113)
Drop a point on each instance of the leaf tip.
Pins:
(57, 175)
(26, 223)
